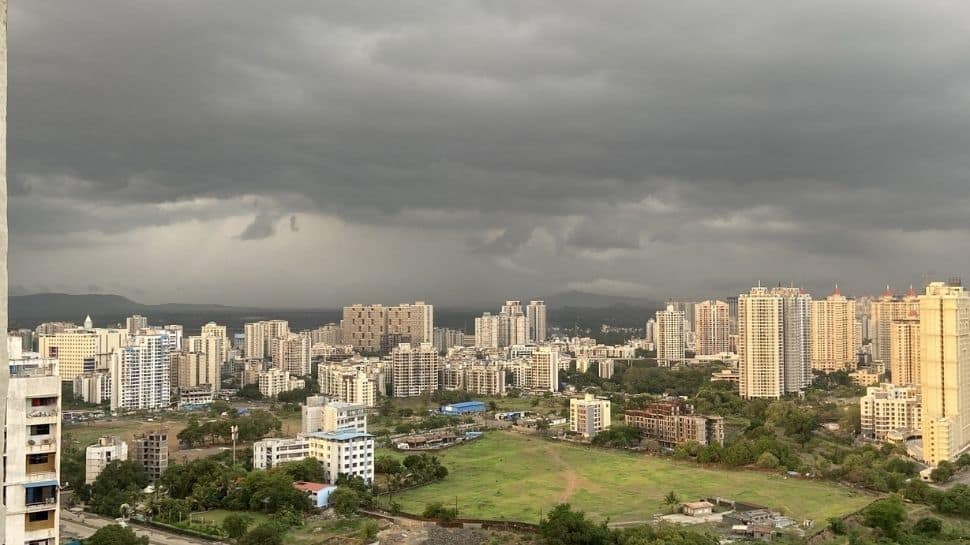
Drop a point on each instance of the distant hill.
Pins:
(579, 299)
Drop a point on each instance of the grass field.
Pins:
(510, 476)
(217, 516)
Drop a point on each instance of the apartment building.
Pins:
(672, 421)
(270, 453)
(904, 350)
(414, 369)
(32, 448)
(671, 339)
(221, 332)
(542, 372)
(944, 313)
(369, 328)
(97, 456)
(350, 384)
(326, 334)
(445, 338)
(206, 355)
(589, 416)
(292, 354)
(344, 452)
(712, 328)
(274, 381)
(140, 374)
(484, 380)
(774, 342)
(260, 337)
(882, 313)
(536, 320)
(833, 333)
(93, 387)
(887, 407)
(487, 331)
(150, 450)
(77, 349)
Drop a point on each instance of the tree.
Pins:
(563, 526)
(308, 470)
(119, 482)
(115, 535)
(236, 524)
(267, 533)
(943, 472)
(438, 511)
(768, 460)
(886, 516)
(929, 526)
(345, 501)
(671, 500)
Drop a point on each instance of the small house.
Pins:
(698, 508)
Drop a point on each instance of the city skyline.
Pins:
(547, 147)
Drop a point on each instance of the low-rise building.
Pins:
(150, 450)
(97, 456)
(317, 493)
(887, 408)
(672, 421)
(269, 453)
(589, 416)
(344, 452)
(275, 381)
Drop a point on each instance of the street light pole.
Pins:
(235, 437)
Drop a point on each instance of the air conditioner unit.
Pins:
(30, 442)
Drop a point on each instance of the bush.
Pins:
(438, 511)
(929, 526)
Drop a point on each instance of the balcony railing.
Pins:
(42, 504)
(42, 412)
(33, 370)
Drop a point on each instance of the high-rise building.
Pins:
(487, 331)
(904, 351)
(882, 313)
(369, 328)
(274, 381)
(326, 334)
(589, 416)
(260, 337)
(292, 354)
(32, 447)
(203, 362)
(712, 325)
(213, 329)
(97, 456)
(140, 374)
(732, 303)
(78, 350)
(445, 338)
(414, 369)
(650, 331)
(536, 315)
(671, 342)
(93, 387)
(774, 342)
(543, 370)
(134, 324)
(833, 333)
(944, 313)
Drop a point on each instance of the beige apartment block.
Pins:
(589, 416)
(944, 312)
(887, 408)
(833, 333)
(882, 313)
(414, 369)
(904, 357)
(78, 350)
(671, 336)
(712, 326)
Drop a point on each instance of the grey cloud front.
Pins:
(307, 153)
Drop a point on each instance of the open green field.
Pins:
(510, 476)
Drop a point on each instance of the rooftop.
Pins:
(310, 487)
(339, 435)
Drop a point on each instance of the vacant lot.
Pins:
(509, 476)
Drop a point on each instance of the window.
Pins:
(39, 516)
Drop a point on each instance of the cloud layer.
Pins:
(307, 153)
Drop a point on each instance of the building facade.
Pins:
(904, 351)
(150, 451)
(944, 313)
(774, 342)
(712, 328)
(833, 333)
(270, 453)
(140, 374)
(589, 416)
(671, 338)
(344, 452)
(536, 316)
(672, 421)
(886, 408)
(414, 369)
(97, 456)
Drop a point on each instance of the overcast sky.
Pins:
(319, 153)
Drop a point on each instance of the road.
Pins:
(82, 526)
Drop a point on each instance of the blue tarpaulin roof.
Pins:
(39, 484)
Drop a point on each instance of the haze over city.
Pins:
(319, 154)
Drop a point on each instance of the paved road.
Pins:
(73, 525)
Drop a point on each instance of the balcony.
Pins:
(33, 370)
(44, 414)
(45, 504)
(41, 443)
(42, 521)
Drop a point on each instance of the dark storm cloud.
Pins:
(551, 136)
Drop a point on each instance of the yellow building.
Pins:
(904, 353)
(882, 313)
(945, 371)
(712, 328)
(77, 349)
(833, 333)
